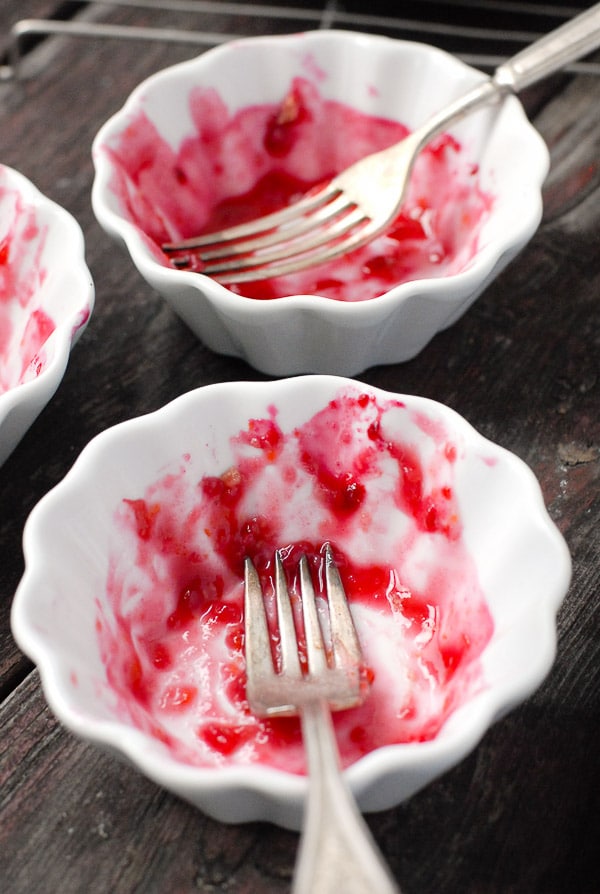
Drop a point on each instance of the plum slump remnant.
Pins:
(170, 624)
(237, 166)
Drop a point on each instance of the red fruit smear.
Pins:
(237, 166)
(24, 326)
(161, 658)
(171, 626)
(225, 739)
(144, 517)
(178, 698)
(282, 128)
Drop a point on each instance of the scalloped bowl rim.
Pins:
(478, 269)
(280, 794)
(36, 392)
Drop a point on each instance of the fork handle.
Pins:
(337, 852)
(543, 57)
(577, 37)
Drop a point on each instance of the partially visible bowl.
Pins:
(131, 600)
(185, 139)
(46, 299)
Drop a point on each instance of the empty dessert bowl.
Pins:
(254, 124)
(46, 298)
(131, 603)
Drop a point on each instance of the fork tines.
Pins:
(333, 671)
(301, 235)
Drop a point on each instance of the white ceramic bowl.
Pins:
(46, 299)
(402, 81)
(512, 552)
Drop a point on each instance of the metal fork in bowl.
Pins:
(360, 203)
(337, 852)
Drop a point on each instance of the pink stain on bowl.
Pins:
(24, 325)
(236, 166)
(170, 624)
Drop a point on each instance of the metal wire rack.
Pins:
(481, 32)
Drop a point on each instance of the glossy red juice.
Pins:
(236, 166)
(24, 325)
(375, 480)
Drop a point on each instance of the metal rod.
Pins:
(320, 18)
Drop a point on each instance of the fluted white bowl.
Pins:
(401, 81)
(518, 556)
(46, 299)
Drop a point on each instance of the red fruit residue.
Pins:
(178, 698)
(171, 623)
(24, 326)
(282, 132)
(237, 166)
(225, 739)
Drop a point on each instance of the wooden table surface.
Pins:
(522, 812)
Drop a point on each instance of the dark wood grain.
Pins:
(521, 814)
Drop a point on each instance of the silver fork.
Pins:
(337, 852)
(361, 202)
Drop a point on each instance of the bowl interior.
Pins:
(46, 299)
(402, 81)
